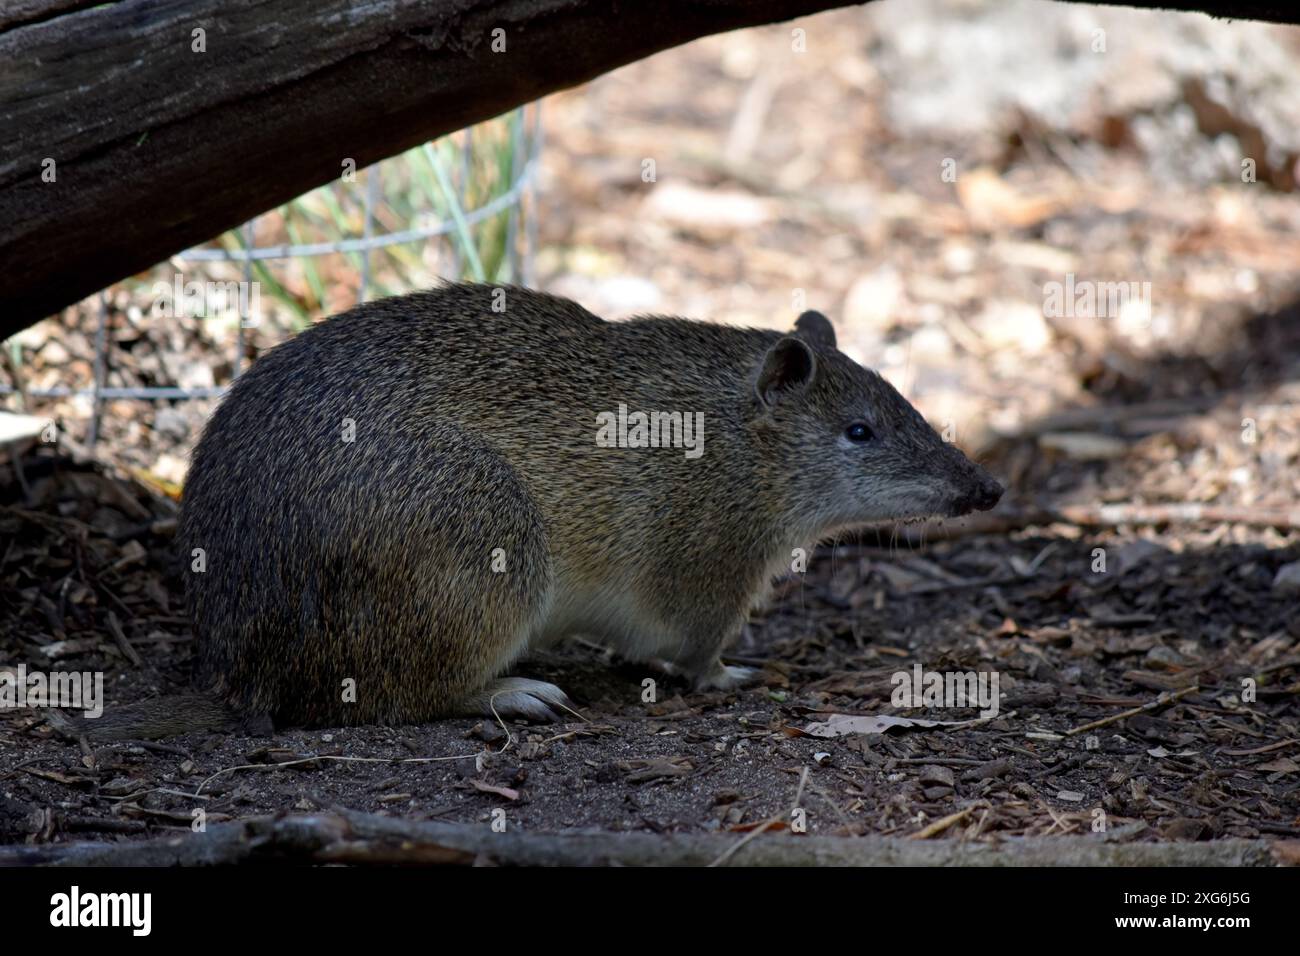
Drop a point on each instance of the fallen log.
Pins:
(134, 129)
(367, 839)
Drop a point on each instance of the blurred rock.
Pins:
(1011, 324)
(685, 205)
(931, 344)
(1287, 579)
(172, 423)
(611, 296)
(1084, 446)
(171, 468)
(53, 353)
(875, 300)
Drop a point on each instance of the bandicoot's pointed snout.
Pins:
(982, 496)
(988, 494)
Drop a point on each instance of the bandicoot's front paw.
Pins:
(722, 677)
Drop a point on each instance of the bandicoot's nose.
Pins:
(984, 493)
(987, 495)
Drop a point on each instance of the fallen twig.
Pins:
(1103, 516)
(938, 826)
(1167, 697)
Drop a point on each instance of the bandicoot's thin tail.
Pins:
(152, 719)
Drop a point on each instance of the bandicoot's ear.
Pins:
(788, 367)
(815, 328)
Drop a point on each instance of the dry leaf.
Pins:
(841, 725)
(1280, 765)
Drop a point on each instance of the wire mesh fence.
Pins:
(449, 217)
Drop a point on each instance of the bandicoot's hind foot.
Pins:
(520, 697)
(725, 677)
(717, 676)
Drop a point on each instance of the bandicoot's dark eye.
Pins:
(859, 432)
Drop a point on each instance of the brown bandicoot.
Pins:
(388, 510)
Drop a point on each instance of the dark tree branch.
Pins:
(159, 147)
(368, 839)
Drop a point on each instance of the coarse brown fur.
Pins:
(388, 510)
